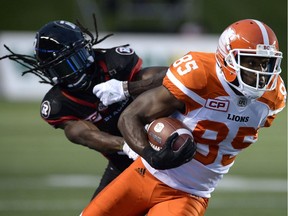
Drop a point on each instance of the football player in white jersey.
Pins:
(224, 97)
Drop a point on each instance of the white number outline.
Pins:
(189, 66)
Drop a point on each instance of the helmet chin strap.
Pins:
(252, 94)
(244, 90)
(76, 84)
(84, 83)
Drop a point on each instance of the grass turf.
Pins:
(37, 164)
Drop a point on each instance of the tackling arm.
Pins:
(113, 90)
(87, 134)
(146, 79)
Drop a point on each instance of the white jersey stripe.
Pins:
(263, 31)
(187, 91)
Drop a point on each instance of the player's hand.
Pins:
(129, 152)
(166, 158)
(110, 92)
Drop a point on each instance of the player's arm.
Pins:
(114, 90)
(150, 105)
(87, 134)
(145, 79)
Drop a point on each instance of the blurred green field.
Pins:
(43, 174)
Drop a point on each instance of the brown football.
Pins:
(160, 129)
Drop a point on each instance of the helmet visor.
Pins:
(71, 65)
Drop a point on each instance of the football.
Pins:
(160, 129)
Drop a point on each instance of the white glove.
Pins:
(129, 152)
(111, 91)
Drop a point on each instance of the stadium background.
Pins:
(43, 174)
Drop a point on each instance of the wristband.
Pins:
(129, 152)
(125, 89)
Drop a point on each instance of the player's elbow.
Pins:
(124, 117)
(127, 121)
(72, 135)
(75, 131)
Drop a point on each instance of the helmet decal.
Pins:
(230, 35)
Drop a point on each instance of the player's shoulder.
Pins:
(124, 51)
(194, 70)
(276, 99)
(117, 52)
(52, 93)
(121, 62)
(51, 102)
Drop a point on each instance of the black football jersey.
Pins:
(60, 105)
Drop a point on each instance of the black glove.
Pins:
(166, 158)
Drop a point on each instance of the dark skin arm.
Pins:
(150, 105)
(147, 78)
(87, 134)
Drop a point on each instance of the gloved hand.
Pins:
(166, 158)
(129, 152)
(111, 91)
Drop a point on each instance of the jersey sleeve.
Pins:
(123, 63)
(186, 79)
(56, 108)
(276, 100)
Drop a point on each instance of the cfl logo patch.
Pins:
(219, 105)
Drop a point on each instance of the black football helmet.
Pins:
(64, 55)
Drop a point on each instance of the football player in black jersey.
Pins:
(64, 57)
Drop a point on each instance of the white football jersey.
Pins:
(223, 123)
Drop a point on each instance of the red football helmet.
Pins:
(254, 39)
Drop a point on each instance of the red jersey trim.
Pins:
(79, 101)
(105, 69)
(61, 120)
(136, 69)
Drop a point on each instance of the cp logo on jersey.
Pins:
(220, 105)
